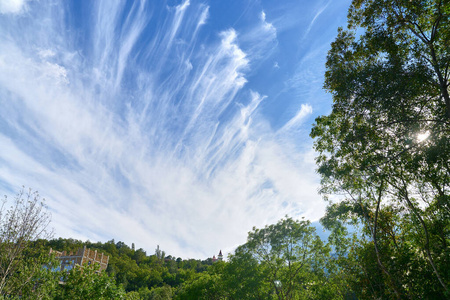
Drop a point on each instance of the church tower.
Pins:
(220, 256)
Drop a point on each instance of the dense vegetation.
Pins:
(384, 159)
(385, 148)
(286, 260)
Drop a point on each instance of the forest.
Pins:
(383, 155)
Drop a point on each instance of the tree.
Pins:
(22, 259)
(385, 148)
(244, 277)
(203, 285)
(286, 260)
(87, 282)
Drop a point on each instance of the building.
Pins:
(219, 257)
(81, 257)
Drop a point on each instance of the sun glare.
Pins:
(422, 136)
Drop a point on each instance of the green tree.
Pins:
(134, 295)
(207, 285)
(384, 149)
(86, 283)
(244, 277)
(284, 260)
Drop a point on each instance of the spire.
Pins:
(220, 256)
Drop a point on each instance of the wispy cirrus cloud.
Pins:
(261, 40)
(136, 122)
(317, 14)
(304, 111)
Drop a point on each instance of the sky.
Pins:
(178, 123)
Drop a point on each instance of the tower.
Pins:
(220, 256)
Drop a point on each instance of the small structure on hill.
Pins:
(82, 256)
(219, 257)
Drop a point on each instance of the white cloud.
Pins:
(266, 25)
(46, 53)
(12, 6)
(313, 21)
(182, 158)
(261, 40)
(304, 111)
(203, 18)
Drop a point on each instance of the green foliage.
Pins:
(133, 296)
(384, 149)
(286, 260)
(145, 276)
(297, 258)
(35, 276)
(87, 282)
(202, 286)
(289, 252)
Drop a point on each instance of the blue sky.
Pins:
(175, 123)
